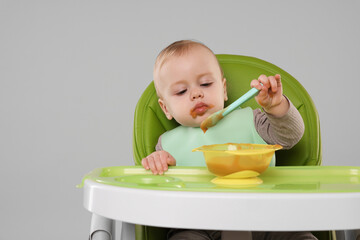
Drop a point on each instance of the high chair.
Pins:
(150, 122)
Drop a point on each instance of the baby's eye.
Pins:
(181, 92)
(206, 84)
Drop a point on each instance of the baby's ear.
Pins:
(163, 107)
(225, 91)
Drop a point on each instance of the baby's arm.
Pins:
(281, 123)
(286, 130)
(159, 160)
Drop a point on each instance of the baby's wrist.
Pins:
(279, 109)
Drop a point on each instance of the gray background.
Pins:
(71, 73)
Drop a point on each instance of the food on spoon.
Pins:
(211, 120)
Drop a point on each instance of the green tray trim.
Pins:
(304, 179)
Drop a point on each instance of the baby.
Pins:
(191, 86)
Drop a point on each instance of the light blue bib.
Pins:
(237, 127)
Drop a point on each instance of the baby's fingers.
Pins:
(158, 165)
(278, 78)
(166, 159)
(171, 160)
(152, 166)
(145, 163)
(264, 80)
(256, 84)
(163, 162)
(273, 84)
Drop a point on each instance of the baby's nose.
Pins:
(196, 94)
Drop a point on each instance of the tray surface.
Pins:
(302, 179)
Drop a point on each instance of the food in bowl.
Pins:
(228, 158)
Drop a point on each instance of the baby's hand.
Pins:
(271, 96)
(158, 162)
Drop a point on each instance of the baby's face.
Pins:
(191, 87)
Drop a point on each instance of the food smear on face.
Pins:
(211, 120)
(200, 109)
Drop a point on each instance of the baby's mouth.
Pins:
(199, 109)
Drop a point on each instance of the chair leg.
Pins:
(234, 235)
(127, 231)
(340, 235)
(348, 235)
(101, 228)
(352, 234)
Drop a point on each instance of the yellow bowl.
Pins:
(224, 159)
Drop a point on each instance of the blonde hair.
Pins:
(177, 49)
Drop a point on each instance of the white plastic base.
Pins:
(225, 211)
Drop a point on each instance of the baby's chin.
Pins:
(195, 122)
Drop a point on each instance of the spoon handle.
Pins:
(248, 95)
